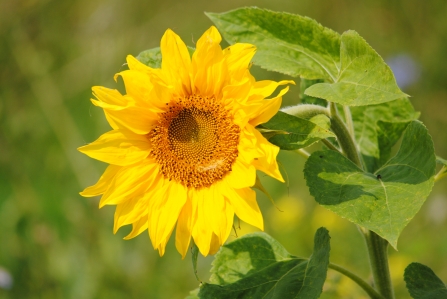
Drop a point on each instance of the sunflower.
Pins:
(183, 149)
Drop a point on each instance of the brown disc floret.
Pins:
(195, 141)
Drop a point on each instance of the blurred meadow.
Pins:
(56, 244)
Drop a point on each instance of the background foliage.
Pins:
(56, 244)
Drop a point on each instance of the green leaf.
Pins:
(152, 57)
(194, 256)
(257, 266)
(194, 294)
(286, 43)
(290, 132)
(422, 282)
(305, 99)
(377, 129)
(363, 79)
(385, 201)
(299, 46)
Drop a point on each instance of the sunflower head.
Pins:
(183, 149)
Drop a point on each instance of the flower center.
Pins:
(195, 141)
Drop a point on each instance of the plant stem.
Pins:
(348, 118)
(302, 153)
(442, 173)
(378, 257)
(363, 284)
(377, 246)
(345, 140)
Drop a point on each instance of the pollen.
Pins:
(195, 141)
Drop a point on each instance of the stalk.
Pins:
(373, 294)
(376, 245)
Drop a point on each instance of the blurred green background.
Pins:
(56, 244)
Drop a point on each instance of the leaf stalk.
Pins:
(373, 294)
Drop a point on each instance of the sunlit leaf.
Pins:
(257, 266)
(290, 132)
(422, 282)
(299, 46)
(151, 58)
(385, 201)
(378, 127)
(286, 43)
(363, 79)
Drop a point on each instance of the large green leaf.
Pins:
(286, 43)
(422, 282)
(385, 201)
(299, 46)
(257, 266)
(363, 79)
(290, 132)
(378, 127)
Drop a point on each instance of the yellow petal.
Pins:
(215, 244)
(208, 71)
(164, 209)
(103, 183)
(268, 109)
(185, 224)
(176, 62)
(202, 232)
(158, 77)
(266, 162)
(137, 228)
(245, 205)
(247, 147)
(238, 57)
(140, 90)
(136, 116)
(266, 87)
(242, 175)
(118, 147)
(131, 210)
(109, 96)
(219, 215)
(130, 181)
(161, 248)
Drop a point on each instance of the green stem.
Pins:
(442, 173)
(348, 118)
(302, 153)
(377, 246)
(363, 284)
(378, 257)
(345, 140)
